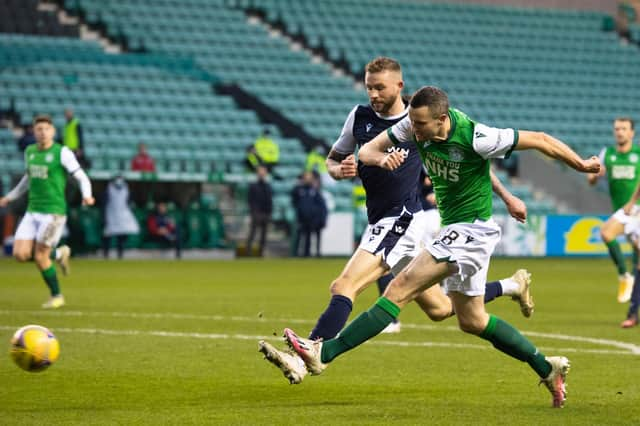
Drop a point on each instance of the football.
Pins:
(34, 348)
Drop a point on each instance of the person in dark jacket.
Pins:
(28, 138)
(260, 208)
(321, 212)
(163, 229)
(306, 198)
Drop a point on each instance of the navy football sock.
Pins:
(492, 290)
(333, 318)
(635, 297)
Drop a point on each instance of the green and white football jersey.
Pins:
(459, 166)
(623, 172)
(47, 172)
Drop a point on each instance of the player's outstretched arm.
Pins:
(17, 192)
(515, 206)
(558, 150)
(374, 153)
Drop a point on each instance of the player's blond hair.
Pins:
(627, 119)
(382, 63)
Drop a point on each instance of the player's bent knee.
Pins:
(22, 256)
(342, 286)
(22, 253)
(438, 314)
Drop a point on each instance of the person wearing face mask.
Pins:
(119, 220)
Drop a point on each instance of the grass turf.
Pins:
(161, 342)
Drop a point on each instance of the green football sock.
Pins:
(361, 329)
(51, 278)
(507, 339)
(616, 256)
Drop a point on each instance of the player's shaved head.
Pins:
(432, 97)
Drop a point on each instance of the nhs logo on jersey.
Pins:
(38, 172)
(623, 172)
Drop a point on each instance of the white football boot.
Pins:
(556, 380)
(291, 365)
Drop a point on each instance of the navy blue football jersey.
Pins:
(388, 192)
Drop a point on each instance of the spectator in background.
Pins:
(72, 137)
(316, 163)
(118, 219)
(28, 138)
(163, 229)
(304, 198)
(320, 213)
(260, 208)
(143, 162)
(626, 14)
(263, 152)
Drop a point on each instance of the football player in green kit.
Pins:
(457, 153)
(47, 166)
(621, 166)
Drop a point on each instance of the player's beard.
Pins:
(382, 107)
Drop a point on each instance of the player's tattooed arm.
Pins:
(341, 166)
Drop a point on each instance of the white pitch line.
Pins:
(626, 347)
(255, 338)
(154, 315)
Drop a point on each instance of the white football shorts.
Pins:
(45, 228)
(469, 246)
(396, 238)
(628, 220)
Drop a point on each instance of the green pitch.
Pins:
(164, 342)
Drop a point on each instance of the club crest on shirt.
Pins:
(456, 154)
(48, 158)
(368, 127)
(633, 157)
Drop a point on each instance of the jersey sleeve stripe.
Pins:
(516, 137)
(393, 138)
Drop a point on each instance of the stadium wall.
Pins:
(554, 235)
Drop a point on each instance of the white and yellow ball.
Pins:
(34, 348)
